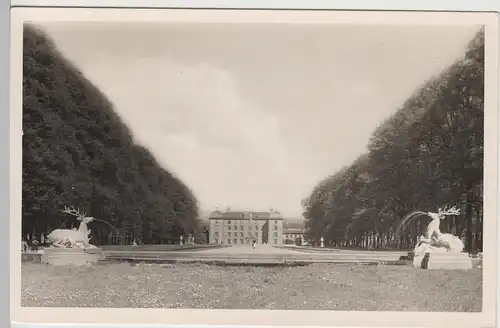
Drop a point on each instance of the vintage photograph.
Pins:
(237, 165)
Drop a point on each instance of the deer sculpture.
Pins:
(433, 230)
(433, 239)
(69, 238)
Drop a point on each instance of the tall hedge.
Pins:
(428, 154)
(77, 151)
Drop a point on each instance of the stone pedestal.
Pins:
(442, 261)
(71, 256)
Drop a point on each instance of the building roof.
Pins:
(245, 215)
(293, 231)
(294, 226)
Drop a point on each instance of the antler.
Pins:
(451, 211)
(72, 211)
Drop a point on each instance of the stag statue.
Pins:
(433, 240)
(70, 238)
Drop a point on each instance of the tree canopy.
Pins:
(77, 151)
(428, 154)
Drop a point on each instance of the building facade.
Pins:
(294, 232)
(238, 228)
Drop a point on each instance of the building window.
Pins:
(241, 227)
(229, 241)
(235, 241)
(275, 227)
(241, 234)
(275, 241)
(228, 221)
(235, 227)
(235, 234)
(216, 234)
(242, 241)
(276, 234)
(229, 228)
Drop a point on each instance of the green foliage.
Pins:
(429, 153)
(77, 151)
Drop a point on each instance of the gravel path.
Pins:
(248, 249)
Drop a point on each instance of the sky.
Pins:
(254, 116)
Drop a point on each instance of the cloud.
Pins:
(255, 116)
(197, 124)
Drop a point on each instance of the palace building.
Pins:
(232, 227)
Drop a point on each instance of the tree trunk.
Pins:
(478, 242)
(146, 232)
(468, 221)
(455, 226)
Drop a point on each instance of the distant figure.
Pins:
(24, 245)
(42, 239)
(34, 248)
(254, 243)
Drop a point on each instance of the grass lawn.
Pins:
(317, 286)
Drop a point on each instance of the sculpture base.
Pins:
(442, 261)
(71, 256)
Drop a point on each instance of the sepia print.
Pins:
(174, 164)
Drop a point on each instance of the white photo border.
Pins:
(21, 317)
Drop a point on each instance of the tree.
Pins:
(77, 151)
(429, 153)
